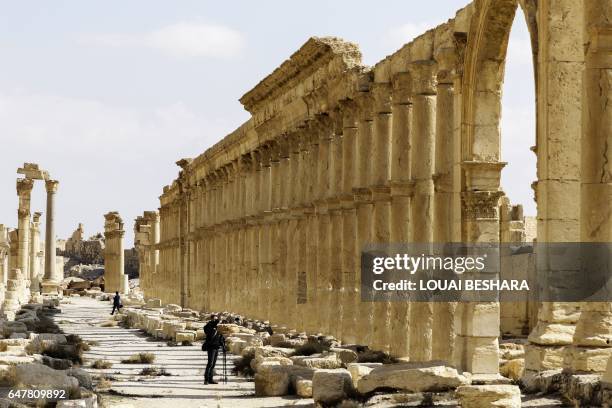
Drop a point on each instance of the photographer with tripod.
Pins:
(213, 342)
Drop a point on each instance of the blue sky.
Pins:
(107, 95)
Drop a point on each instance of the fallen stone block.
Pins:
(541, 381)
(417, 399)
(55, 338)
(200, 334)
(489, 396)
(346, 356)
(324, 361)
(15, 360)
(330, 387)
(153, 303)
(235, 345)
(276, 339)
(552, 334)
(271, 380)
(82, 376)
(544, 358)
(228, 329)
(587, 359)
(182, 336)
(87, 402)
(8, 328)
(15, 351)
(415, 377)
(513, 369)
(359, 370)
(252, 340)
(269, 351)
(274, 379)
(38, 376)
(169, 308)
(303, 388)
(582, 390)
(275, 360)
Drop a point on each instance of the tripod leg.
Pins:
(225, 366)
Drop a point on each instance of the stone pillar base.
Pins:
(478, 355)
(544, 358)
(493, 396)
(587, 360)
(50, 287)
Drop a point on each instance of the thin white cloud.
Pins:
(106, 157)
(179, 40)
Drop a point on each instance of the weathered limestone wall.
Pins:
(271, 220)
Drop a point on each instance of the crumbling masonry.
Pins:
(271, 220)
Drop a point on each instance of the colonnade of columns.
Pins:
(21, 257)
(276, 232)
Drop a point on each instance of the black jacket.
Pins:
(214, 340)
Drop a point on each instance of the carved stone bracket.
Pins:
(480, 204)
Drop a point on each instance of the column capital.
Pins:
(365, 103)
(24, 186)
(317, 100)
(294, 140)
(36, 217)
(284, 146)
(51, 186)
(323, 126)
(382, 96)
(275, 150)
(349, 109)
(402, 88)
(446, 58)
(423, 74)
(480, 204)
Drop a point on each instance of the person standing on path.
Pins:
(213, 342)
(116, 303)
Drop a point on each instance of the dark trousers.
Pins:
(210, 365)
(116, 307)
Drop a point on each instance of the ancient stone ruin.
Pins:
(28, 268)
(270, 222)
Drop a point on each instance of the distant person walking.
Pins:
(214, 341)
(116, 303)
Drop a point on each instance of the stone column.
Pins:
(34, 253)
(443, 330)
(24, 189)
(560, 113)
(334, 325)
(5, 247)
(114, 277)
(422, 166)
(478, 324)
(592, 342)
(51, 280)
(401, 192)
(381, 173)
(364, 210)
(349, 290)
